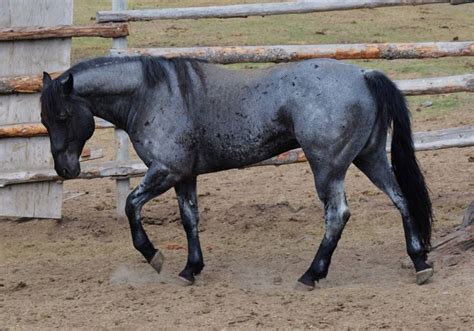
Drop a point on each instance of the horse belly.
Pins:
(243, 143)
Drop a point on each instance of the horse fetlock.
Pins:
(193, 268)
(419, 259)
(197, 267)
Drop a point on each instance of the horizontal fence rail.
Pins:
(38, 129)
(424, 141)
(455, 137)
(283, 53)
(63, 31)
(421, 86)
(437, 85)
(288, 53)
(257, 9)
(23, 84)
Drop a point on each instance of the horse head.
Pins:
(69, 122)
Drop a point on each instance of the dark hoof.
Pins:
(424, 275)
(305, 283)
(157, 261)
(186, 281)
(186, 277)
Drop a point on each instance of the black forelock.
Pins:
(52, 96)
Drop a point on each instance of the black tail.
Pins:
(405, 166)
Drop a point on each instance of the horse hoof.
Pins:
(157, 261)
(423, 276)
(303, 287)
(185, 282)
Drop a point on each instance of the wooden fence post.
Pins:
(121, 137)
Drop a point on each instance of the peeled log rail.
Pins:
(289, 53)
(437, 85)
(258, 9)
(37, 129)
(456, 137)
(424, 141)
(63, 31)
(23, 84)
(423, 86)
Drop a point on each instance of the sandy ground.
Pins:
(260, 229)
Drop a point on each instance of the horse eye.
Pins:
(62, 118)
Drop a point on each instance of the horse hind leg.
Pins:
(329, 180)
(376, 167)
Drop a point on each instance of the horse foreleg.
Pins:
(157, 180)
(331, 193)
(188, 207)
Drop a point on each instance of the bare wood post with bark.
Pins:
(121, 137)
(63, 31)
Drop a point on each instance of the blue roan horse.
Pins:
(186, 117)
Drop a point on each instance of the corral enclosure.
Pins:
(259, 226)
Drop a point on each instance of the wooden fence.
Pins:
(123, 168)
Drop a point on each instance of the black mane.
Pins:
(154, 69)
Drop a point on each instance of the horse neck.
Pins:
(108, 90)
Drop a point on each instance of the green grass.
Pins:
(397, 24)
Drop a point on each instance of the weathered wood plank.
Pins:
(63, 31)
(289, 53)
(455, 137)
(26, 58)
(258, 9)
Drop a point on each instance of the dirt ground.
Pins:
(259, 230)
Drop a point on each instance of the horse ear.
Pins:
(68, 84)
(46, 79)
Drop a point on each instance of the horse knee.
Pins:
(130, 207)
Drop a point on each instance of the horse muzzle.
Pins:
(67, 166)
